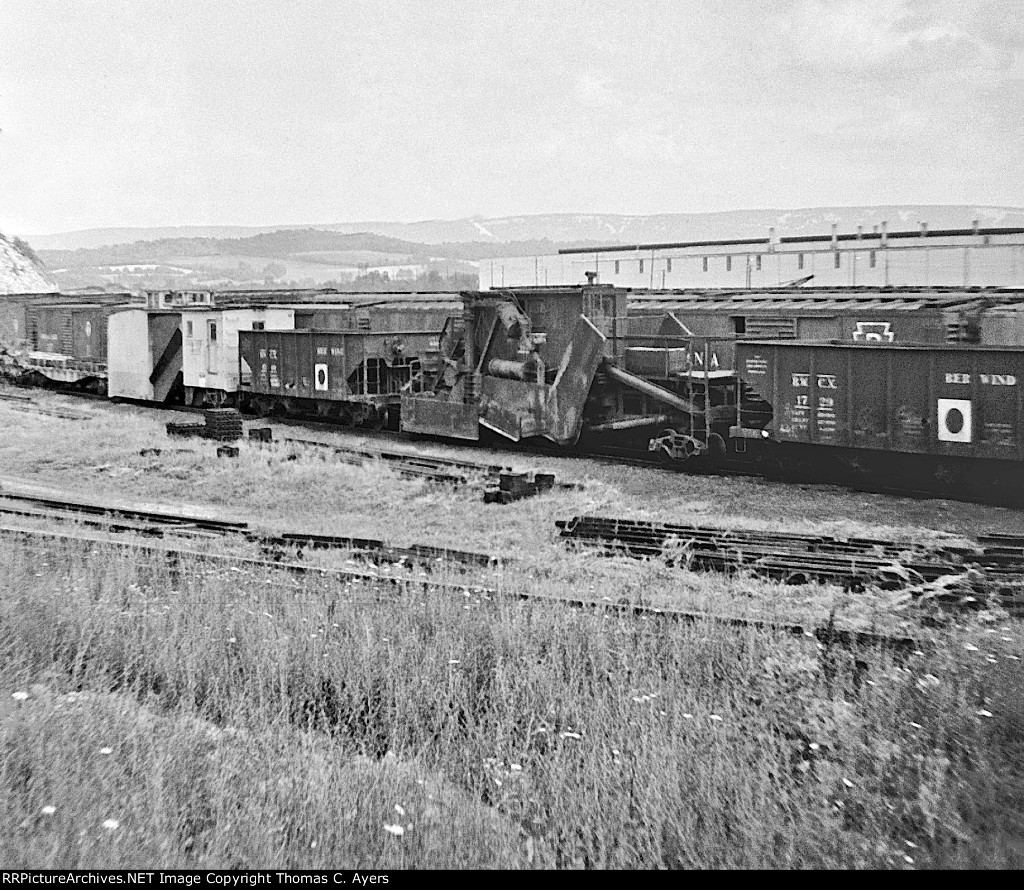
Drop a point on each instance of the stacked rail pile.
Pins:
(953, 576)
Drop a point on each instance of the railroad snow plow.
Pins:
(563, 364)
(506, 370)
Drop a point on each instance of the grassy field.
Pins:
(213, 718)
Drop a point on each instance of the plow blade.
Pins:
(563, 412)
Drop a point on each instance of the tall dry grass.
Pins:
(260, 721)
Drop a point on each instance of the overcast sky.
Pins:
(254, 112)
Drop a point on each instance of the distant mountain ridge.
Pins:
(444, 253)
(608, 228)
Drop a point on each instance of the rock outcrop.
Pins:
(20, 273)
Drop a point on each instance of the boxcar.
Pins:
(59, 340)
(860, 316)
(78, 331)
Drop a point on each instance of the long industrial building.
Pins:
(974, 257)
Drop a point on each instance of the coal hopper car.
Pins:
(932, 417)
(352, 364)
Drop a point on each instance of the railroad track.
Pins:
(435, 469)
(178, 558)
(149, 523)
(28, 405)
(609, 455)
(853, 563)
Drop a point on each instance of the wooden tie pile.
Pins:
(219, 424)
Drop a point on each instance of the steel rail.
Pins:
(607, 454)
(827, 635)
(156, 524)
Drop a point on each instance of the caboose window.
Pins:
(838, 258)
(616, 267)
(705, 263)
(213, 332)
(668, 265)
(188, 329)
(641, 267)
(799, 260)
(871, 259)
(728, 264)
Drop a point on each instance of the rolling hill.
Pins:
(446, 251)
(575, 227)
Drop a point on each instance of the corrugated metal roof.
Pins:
(803, 305)
(879, 347)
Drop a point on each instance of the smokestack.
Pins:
(924, 230)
